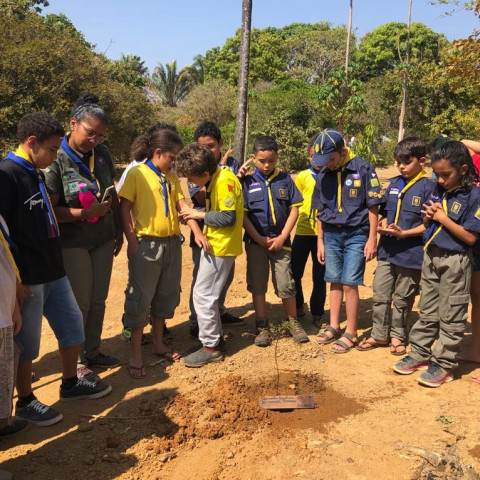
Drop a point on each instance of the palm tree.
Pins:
(172, 87)
(134, 63)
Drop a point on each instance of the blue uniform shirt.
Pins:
(404, 252)
(360, 189)
(463, 208)
(193, 189)
(285, 194)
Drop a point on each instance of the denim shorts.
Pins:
(55, 301)
(344, 258)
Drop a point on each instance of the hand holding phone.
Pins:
(108, 193)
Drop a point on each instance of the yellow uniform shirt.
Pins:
(224, 193)
(143, 188)
(307, 218)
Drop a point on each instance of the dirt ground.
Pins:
(206, 424)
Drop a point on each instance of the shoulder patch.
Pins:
(374, 182)
(282, 193)
(353, 193)
(229, 201)
(416, 201)
(456, 206)
(477, 214)
(357, 183)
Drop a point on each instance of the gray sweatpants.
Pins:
(212, 275)
(443, 307)
(394, 291)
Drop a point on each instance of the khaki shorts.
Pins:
(154, 275)
(258, 260)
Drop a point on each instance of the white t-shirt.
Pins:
(124, 174)
(8, 282)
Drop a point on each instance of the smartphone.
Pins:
(108, 193)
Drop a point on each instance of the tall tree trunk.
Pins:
(243, 81)
(349, 36)
(401, 118)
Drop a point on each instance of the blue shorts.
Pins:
(344, 258)
(55, 301)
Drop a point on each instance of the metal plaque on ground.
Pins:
(287, 402)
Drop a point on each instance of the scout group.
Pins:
(62, 222)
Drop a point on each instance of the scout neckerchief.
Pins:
(208, 189)
(267, 194)
(88, 171)
(403, 187)
(9, 245)
(313, 212)
(20, 157)
(337, 197)
(436, 227)
(163, 180)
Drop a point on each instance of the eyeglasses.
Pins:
(92, 134)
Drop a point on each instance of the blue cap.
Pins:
(328, 141)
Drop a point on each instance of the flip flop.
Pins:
(336, 334)
(140, 376)
(398, 354)
(371, 345)
(169, 355)
(346, 347)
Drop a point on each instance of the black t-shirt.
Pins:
(39, 255)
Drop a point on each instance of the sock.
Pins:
(210, 350)
(22, 401)
(68, 383)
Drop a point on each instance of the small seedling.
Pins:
(444, 419)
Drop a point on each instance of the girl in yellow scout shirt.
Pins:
(149, 201)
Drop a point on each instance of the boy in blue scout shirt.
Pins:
(208, 134)
(452, 217)
(271, 201)
(347, 195)
(400, 250)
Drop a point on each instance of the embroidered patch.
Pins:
(348, 182)
(416, 201)
(477, 214)
(73, 187)
(255, 190)
(353, 193)
(357, 183)
(101, 160)
(282, 193)
(374, 182)
(394, 191)
(317, 148)
(356, 176)
(375, 194)
(229, 201)
(230, 187)
(456, 207)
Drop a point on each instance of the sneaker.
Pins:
(203, 356)
(84, 372)
(435, 376)
(38, 413)
(15, 425)
(84, 389)
(232, 320)
(408, 365)
(103, 361)
(263, 337)
(297, 331)
(318, 321)
(301, 311)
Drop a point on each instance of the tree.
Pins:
(131, 70)
(401, 119)
(172, 87)
(21, 8)
(243, 81)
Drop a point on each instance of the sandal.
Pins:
(371, 344)
(394, 351)
(327, 338)
(170, 355)
(138, 373)
(345, 346)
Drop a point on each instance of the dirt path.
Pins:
(205, 424)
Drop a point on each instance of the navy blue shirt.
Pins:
(285, 194)
(404, 252)
(193, 189)
(463, 208)
(361, 189)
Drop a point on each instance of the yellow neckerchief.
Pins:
(445, 209)
(9, 255)
(20, 152)
(341, 168)
(207, 194)
(275, 173)
(412, 182)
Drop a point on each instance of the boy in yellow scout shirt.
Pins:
(223, 217)
(305, 244)
(150, 199)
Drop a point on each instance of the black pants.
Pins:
(302, 247)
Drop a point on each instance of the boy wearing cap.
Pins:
(347, 195)
(271, 201)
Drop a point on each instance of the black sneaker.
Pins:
(38, 413)
(15, 425)
(103, 361)
(232, 320)
(84, 372)
(84, 389)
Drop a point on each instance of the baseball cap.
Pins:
(328, 141)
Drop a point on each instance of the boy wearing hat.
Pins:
(347, 195)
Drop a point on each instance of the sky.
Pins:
(166, 30)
